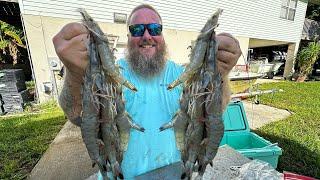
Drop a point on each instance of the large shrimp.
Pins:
(90, 114)
(124, 122)
(213, 109)
(199, 50)
(105, 86)
(109, 131)
(203, 84)
(115, 128)
(106, 55)
(194, 132)
(180, 122)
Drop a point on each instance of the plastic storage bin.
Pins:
(237, 135)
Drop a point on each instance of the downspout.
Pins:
(29, 55)
(52, 76)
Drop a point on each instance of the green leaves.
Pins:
(307, 57)
(10, 38)
(14, 36)
(3, 44)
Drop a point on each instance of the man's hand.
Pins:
(228, 52)
(70, 45)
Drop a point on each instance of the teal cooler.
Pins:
(237, 135)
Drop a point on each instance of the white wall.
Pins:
(247, 18)
(182, 20)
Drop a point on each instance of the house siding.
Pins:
(258, 19)
(245, 19)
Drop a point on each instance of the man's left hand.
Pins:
(228, 52)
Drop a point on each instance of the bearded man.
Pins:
(147, 67)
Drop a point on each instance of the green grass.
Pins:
(299, 134)
(25, 137)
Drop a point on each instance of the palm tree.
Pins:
(10, 39)
(306, 59)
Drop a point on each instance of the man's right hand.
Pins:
(71, 47)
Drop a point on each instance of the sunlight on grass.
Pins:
(26, 137)
(299, 134)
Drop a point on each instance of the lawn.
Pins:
(299, 134)
(25, 137)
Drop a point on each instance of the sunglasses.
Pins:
(137, 30)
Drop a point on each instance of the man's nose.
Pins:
(146, 35)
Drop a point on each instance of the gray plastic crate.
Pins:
(12, 98)
(12, 108)
(13, 102)
(12, 87)
(2, 112)
(12, 75)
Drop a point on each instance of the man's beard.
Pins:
(147, 66)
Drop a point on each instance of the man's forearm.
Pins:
(70, 99)
(226, 92)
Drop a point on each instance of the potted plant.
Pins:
(306, 58)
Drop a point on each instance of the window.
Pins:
(288, 9)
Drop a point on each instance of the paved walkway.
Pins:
(264, 80)
(259, 115)
(67, 157)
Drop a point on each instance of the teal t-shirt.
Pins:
(150, 107)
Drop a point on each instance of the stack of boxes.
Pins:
(12, 90)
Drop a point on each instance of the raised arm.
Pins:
(70, 45)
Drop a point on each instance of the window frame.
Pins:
(287, 8)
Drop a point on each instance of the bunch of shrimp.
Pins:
(105, 125)
(198, 124)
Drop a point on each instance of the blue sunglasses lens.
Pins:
(154, 29)
(137, 30)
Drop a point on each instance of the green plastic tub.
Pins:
(238, 136)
